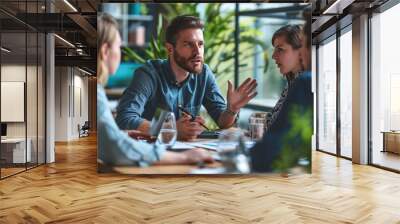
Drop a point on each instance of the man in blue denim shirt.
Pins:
(184, 80)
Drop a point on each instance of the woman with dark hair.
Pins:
(286, 142)
(287, 43)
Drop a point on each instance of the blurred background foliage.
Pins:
(219, 40)
(296, 151)
(218, 36)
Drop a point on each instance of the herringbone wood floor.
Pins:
(70, 191)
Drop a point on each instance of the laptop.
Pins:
(211, 134)
(157, 121)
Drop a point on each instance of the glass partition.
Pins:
(255, 60)
(385, 89)
(327, 95)
(22, 88)
(346, 92)
(13, 105)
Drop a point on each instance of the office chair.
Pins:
(84, 130)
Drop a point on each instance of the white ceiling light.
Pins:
(5, 50)
(65, 41)
(70, 5)
(86, 72)
(337, 7)
(79, 51)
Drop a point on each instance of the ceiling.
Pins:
(75, 21)
(72, 20)
(330, 15)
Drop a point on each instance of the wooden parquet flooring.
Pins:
(71, 191)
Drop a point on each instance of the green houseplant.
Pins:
(296, 149)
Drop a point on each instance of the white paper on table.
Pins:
(211, 145)
(182, 145)
(205, 145)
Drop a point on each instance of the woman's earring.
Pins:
(301, 64)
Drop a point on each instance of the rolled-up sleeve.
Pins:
(213, 100)
(134, 99)
(115, 147)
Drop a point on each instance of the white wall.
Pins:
(71, 102)
(80, 110)
(33, 126)
(16, 73)
(61, 104)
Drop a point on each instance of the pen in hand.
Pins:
(190, 115)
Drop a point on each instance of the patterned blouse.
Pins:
(271, 117)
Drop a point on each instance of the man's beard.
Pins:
(186, 64)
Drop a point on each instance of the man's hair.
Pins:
(180, 23)
(291, 33)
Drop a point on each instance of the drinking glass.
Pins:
(168, 131)
(257, 127)
(227, 143)
(232, 151)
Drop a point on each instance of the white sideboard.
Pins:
(16, 147)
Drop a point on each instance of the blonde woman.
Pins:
(114, 146)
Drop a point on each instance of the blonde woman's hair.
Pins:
(107, 29)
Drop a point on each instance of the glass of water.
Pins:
(232, 151)
(257, 127)
(168, 131)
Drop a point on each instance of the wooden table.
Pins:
(164, 169)
(207, 168)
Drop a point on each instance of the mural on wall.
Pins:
(130, 147)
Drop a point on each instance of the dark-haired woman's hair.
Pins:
(291, 33)
(307, 28)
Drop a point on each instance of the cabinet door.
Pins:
(392, 141)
